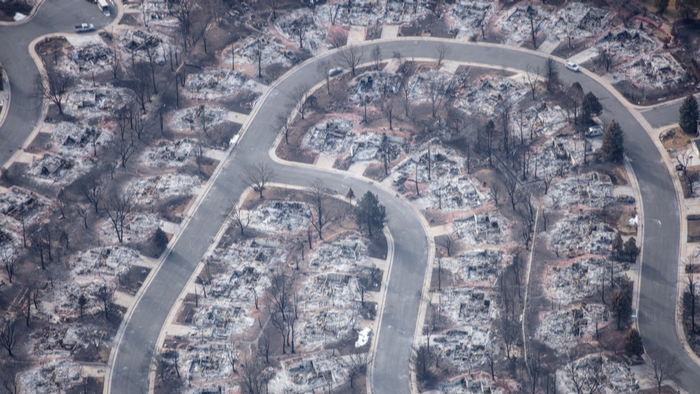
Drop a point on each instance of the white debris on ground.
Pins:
(215, 83)
(581, 234)
(627, 44)
(273, 52)
(314, 34)
(578, 280)
(515, 24)
(281, 217)
(562, 330)
(71, 139)
(469, 16)
(309, 374)
(591, 190)
(197, 118)
(540, 119)
(53, 377)
(455, 193)
(578, 21)
(484, 229)
(167, 153)
(104, 261)
(652, 71)
(139, 228)
(147, 191)
(55, 169)
(475, 267)
(374, 87)
(89, 102)
(344, 255)
(557, 156)
(423, 81)
(333, 135)
(617, 377)
(17, 204)
(94, 57)
(464, 346)
(490, 93)
(474, 306)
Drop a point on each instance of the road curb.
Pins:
(6, 107)
(640, 235)
(27, 19)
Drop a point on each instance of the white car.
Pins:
(335, 71)
(572, 66)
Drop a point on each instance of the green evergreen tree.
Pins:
(661, 6)
(633, 343)
(621, 307)
(369, 212)
(590, 107)
(631, 249)
(688, 115)
(613, 142)
(686, 8)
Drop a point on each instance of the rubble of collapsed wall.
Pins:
(93, 57)
(53, 377)
(471, 306)
(469, 17)
(273, 52)
(578, 279)
(627, 43)
(617, 378)
(465, 346)
(216, 83)
(310, 374)
(475, 267)
(139, 228)
(419, 85)
(539, 119)
(579, 21)
(488, 94)
(558, 156)
(652, 71)
(16, 205)
(196, 118)
(76, 139)
(314, 34)
(281, 217)
(479, 230)
(166, 153)
(458, 192)
(55, 169)
(471, 385)
(374, 87)
(580, 234)
(330, 136)
(136, 43)
(147, 191)
(515, 23)
(564, 329)
(89, 102)
(591, 190)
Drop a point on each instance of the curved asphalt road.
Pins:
(664, 114)
(661, 221)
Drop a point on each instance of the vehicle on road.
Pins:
(84, 27)
(572, 66)
(595, 131)
(103, 6)
(335, 71)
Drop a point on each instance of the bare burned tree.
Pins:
(258, 176)
(322, 213)
(8, 336)
(406, 101)
(118, 209)
(9, 378)
(441, 51)
(607, 57)
(253, 377)
(258, 55)
(264, 346)
(324, 68)
(185, 21)
(388, 109)
(533, 76)
(56, 86)
(106, 297)
(376, 56)
(664, 367)
(551, 70)
(126, 148)
(239, 219)
(9, 261)
(140, 84)
(436, 93)
(358, 366)
(351, 57)
(447, 243)
(302, 98)
(116, 60)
